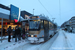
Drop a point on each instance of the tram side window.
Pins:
(46, 24)
(50, 25)
(41, 24)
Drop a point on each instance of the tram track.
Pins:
(48, 44)
(67, 43)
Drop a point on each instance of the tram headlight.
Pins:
(31, 35)
(35, 35)
(38, 17)
(42, 35)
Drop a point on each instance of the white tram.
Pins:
(40, 29)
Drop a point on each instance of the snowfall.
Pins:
(60, 41)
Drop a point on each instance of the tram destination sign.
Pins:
(34, 17)
(14, 13)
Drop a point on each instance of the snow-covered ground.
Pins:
(4, 37)
(71, 39)
(60, 41)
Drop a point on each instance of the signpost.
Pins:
(1, 29)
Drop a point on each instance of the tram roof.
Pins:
(43, 17)
(40, 17)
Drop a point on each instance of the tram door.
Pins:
(26, 27)
(23, 25)
(46, 30)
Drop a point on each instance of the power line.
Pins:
(45, 8)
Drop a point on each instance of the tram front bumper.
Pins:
(33, 39)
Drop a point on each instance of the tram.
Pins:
(40, 29)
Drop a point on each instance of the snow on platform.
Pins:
(63, 41)
(5, 45)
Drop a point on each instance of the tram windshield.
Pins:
(34, 24)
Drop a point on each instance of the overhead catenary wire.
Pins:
(60, 11)
(45, 8)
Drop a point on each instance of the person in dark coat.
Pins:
(26, 33)
(9, 33)
(23, 36)
(13, 31)
(20, 33)
(17, 31)
(26, 30)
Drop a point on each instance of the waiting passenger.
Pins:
(20, 33)
(17, 31)
(13, 33)
(9, 33)
(23, 36)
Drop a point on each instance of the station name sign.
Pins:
(14, 13)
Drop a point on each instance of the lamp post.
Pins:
(53, 22)
(53, 19)
(33, 11)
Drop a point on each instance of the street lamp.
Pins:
(33, 11)
(53, 19)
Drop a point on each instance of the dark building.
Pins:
(6, 18)
(4, 7)
(25, 14)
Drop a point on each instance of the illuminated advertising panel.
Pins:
(14, 13)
